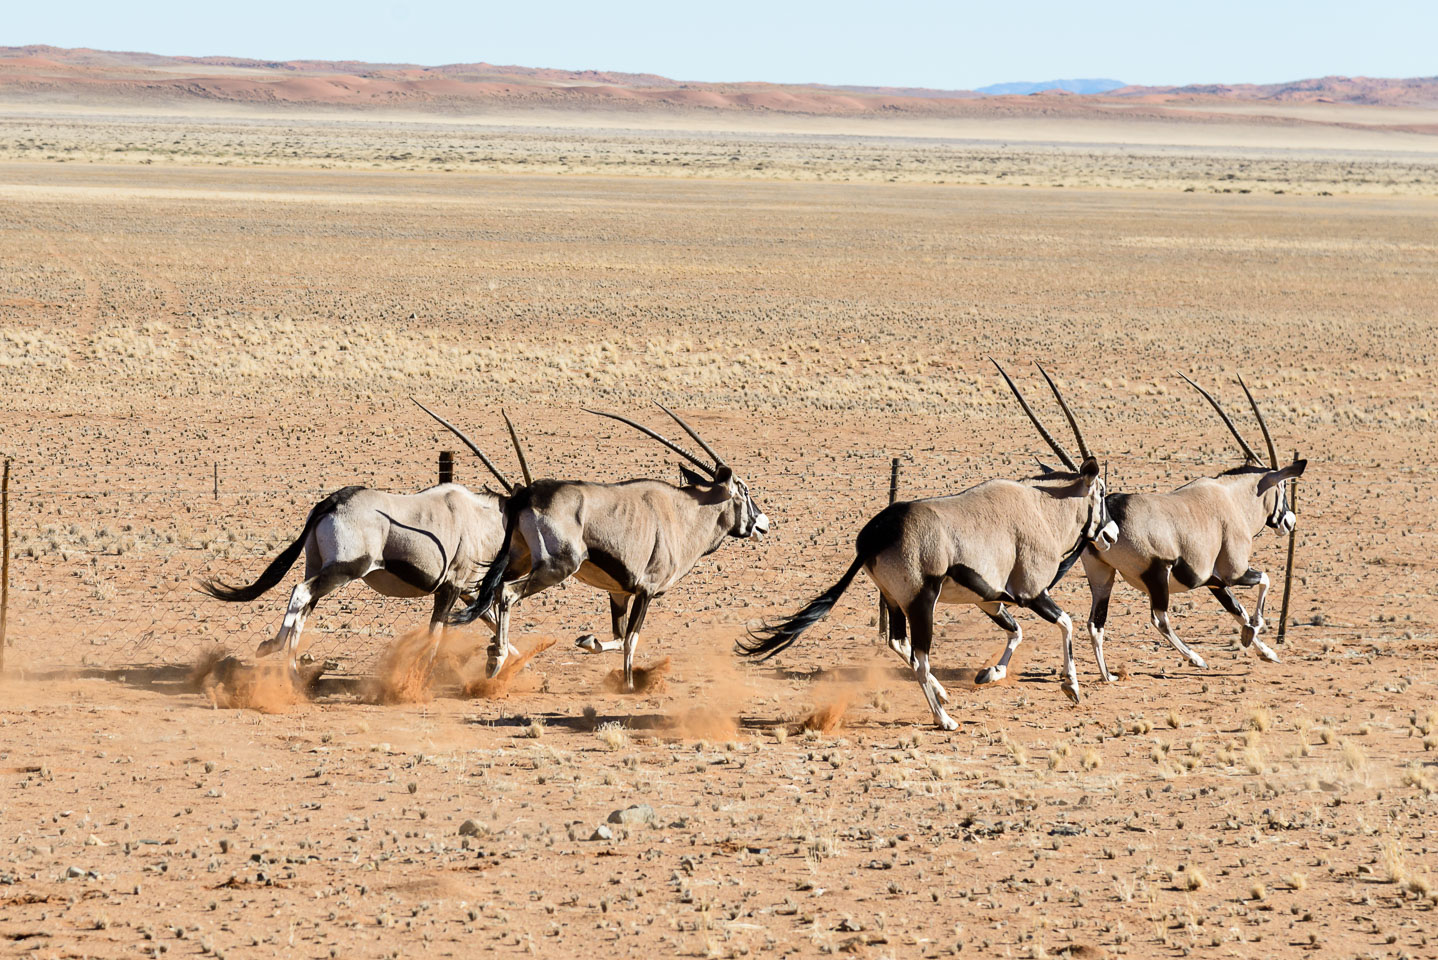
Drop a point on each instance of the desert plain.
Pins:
(211, 318)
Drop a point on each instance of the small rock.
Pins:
(74, 873)
(639, 813)
(470, 828)
(603, 833)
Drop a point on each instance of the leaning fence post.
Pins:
(446, 466)
(1288, 573)
(217, 479)
(4, 558)
(893, 495)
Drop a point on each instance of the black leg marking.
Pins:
(1250, 578)
(1186, 575)
(969, 579)
(921, 617)
(1044, 606)
(1005, 620)
(898, 623)
(618, 607)
(1229, 602)
(1155, 583)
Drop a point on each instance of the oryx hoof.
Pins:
(991, 674)
(1070, 689)
(1197, 661)
(1264, 651)
(589, 643)
(268, 647)
(1109, 678)
(945, 722)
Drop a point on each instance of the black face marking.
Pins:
(1186, 575)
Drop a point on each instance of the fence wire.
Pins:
(108, 578)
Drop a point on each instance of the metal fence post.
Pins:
(4, 558)
(893, 495)
(446, 466)
(1288, 572)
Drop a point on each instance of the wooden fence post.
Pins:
(1288, 572)
(4, 559)
(446, 466)
(217, 479)
(893, 495)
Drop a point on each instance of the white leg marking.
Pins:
(1095, 637)
(1070, 684)
(1000, 670)
(941, 718)
(1160, 620)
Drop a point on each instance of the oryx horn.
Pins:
(1073, 424)
(1272, 451)
(508, 487)
(650, 433)
(1048, 437)
(694, 434)
(518, 450)
(1243, 444)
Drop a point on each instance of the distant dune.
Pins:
(45, 74)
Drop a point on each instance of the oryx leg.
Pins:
(444, 596)
(921, 623)
(899, 643)
(303, 598)
(618, 606)
(1101, 578)
(551, 561)
(1044, 606)
(1155, 584)
(1254, 626)
(1009, 625)
(631, 637)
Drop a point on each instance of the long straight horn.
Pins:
(1048, 438)
(1073, 424)
(694, 434)
(508, 487)
(1272, 451)
(1243, 444)
(518, 450)
(650, 433)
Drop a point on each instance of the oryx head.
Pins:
(1272, 487)
(717, 483)
(1098, 528)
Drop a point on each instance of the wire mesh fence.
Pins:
(104, 578)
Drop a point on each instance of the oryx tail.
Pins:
(493, 580)
(280, 566)
(772, 639)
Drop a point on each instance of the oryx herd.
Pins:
(999, 544)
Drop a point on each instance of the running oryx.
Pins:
(1200, 535)
(438, 541)
(1001, 542)
(634, 540)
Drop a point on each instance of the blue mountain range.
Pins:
(1072, 86)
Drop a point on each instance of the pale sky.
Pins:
(957, 45)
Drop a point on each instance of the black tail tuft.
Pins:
(493, 580)
(775, 638)
(280, 565)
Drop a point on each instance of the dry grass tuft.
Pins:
(613, 735)
(1194, 879)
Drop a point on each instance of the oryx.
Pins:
(438, 541)
(634, 540)
(1001, 542)
(1200, 535)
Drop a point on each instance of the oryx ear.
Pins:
(723, 476)
(689, 478)
(1089, 468)
(1274, 477)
